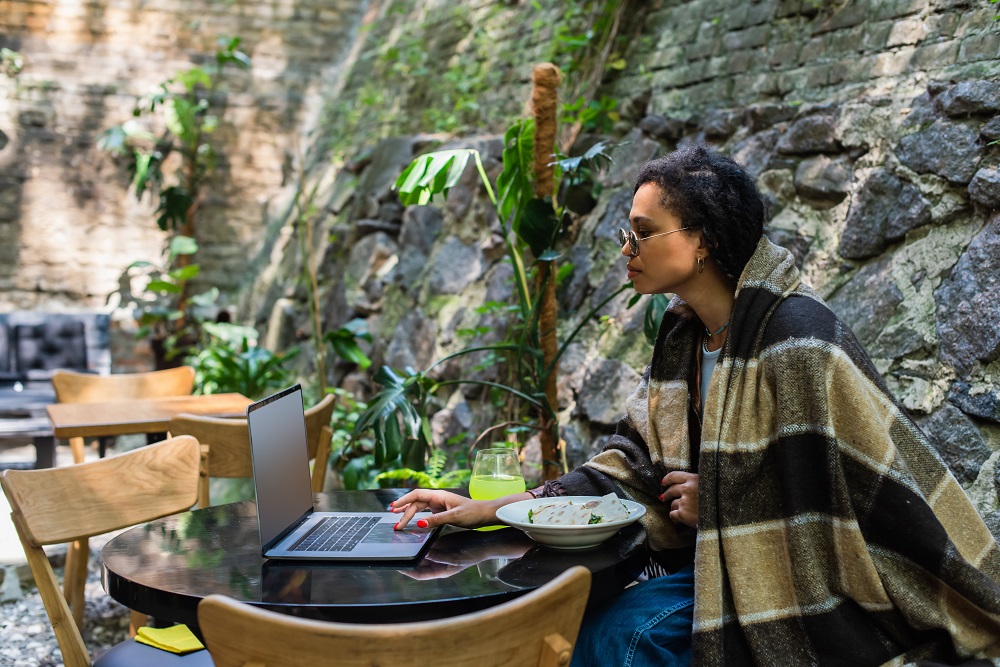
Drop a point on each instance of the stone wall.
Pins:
(871, 127)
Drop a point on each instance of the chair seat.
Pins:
(131, 653)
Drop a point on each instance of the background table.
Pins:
(143, 415)
(164, 568)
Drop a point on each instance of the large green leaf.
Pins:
(185, 272)
(179, 115)
(539, 225)
(228, 53)
(514, 184)
(182, 245)
(175, 202)
(655, 307)
(598, 155)
(193, 78)
(163, 286)
(432, 174)
(345, 345)
(358, 473)
(143, 164)
(388, 439)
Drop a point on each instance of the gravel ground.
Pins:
(27, 639)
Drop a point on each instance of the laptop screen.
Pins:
(280, 462)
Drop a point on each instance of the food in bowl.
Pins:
(569, 513)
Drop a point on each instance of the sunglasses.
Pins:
(632, 240)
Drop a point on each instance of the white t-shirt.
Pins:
(708, 360)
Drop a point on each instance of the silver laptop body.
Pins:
(289, 526)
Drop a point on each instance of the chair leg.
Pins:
(136, 620)
(76, 446)
(75, 578)
(556, 651)
(203, 480)
(102, 445)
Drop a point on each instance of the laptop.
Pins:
(289, 526)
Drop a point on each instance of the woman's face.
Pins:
(667, 263)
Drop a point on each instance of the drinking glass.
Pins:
(495, 473)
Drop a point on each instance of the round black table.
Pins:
(165, 567)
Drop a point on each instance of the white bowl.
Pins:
(566, 537)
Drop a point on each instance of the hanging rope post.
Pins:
(544, 102)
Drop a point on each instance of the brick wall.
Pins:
(67, 225)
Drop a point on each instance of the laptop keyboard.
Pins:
(336, 533)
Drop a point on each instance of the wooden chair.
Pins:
(64, 504)
(73, 387)
(226, 445)
(539, 628)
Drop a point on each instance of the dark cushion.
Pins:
(131, 653)
(50, 345)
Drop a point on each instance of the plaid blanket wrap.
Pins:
(830, 533)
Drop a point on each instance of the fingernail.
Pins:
(422, 523)
(662, 494)
(392, 503)
(396, 527)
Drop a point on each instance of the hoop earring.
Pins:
(701, 264)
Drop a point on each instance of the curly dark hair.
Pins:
(713, 195)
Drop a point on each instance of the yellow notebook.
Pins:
(176, 639)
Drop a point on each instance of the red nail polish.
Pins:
(422, 523)
(392, 503)
(396, 527)
(662, 494)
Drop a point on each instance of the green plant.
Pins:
(655, 307)
(597, 115)
(344, 341)
(183, 104)
(11, 63)
(433, 476)
(397, 415)
(231, 361)
(352, 456)
(155, 303)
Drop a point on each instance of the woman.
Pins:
(827, 530)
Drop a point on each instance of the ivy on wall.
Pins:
(439, 70)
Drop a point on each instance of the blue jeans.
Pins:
(649, 624)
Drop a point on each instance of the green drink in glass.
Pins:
(495, 473)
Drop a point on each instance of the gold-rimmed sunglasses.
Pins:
(632, 240)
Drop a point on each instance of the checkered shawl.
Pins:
(830, 533)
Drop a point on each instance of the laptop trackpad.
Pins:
(384, 533)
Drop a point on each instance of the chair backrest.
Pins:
(539, 628)
(227, 444)
(57, 505)
(73, 387)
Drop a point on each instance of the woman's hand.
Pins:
(449, 508)
(682, 494)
